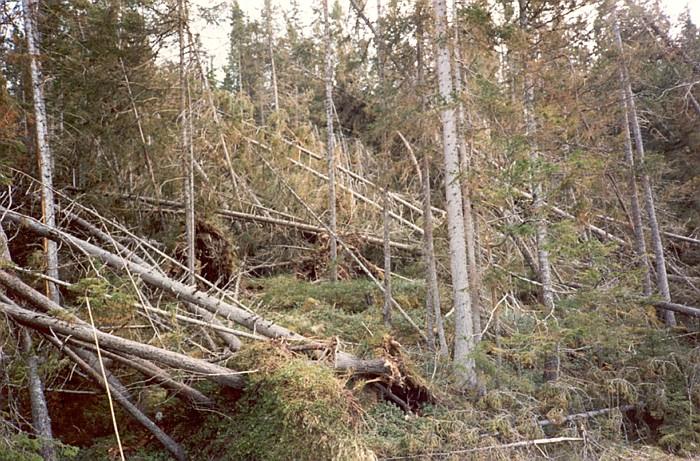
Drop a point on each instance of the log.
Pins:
(156, 373)
(343, 361)
(680, 308)
(79, 357)
(43, 322)
(241, 216)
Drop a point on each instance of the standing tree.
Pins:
(31, 10)
(656, 243)
(40, 412)
(464, 331)
(187, 149)
(329, 145)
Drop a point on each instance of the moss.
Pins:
(291, 409)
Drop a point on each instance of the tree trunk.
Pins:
(273, 70)
(657, 244)
(432, 296)
(640, 246)
(186, 147)
(43, 322)
(82, 359)
(330, 145)
(31, 10)
(464, 332)
(40, 411)
(467, 210)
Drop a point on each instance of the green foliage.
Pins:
(291, 409)
(21, 447)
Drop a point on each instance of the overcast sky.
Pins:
(215, 38)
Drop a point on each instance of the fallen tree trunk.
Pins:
(256, 323)
(670, 235)
(79, 357)
(43, 322)
(156, 373)
(680, 308)
(241, 216)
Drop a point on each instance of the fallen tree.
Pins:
(241, 216)
(389, 369)
(47, 324)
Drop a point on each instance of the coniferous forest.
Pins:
(385, 230)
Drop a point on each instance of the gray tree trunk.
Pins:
(187, 149)
(432, 296)
(44, 322)
(40, 411)
(31, 10)
(640, 246)
(273, 70)
(330, 145)
(656, 243)
(467, 210)
(464, 331)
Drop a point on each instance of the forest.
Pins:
(384, 230)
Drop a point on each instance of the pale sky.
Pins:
(215, 38)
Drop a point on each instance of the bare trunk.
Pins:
(273, 70)
(640, 246)
(467, 210)
(31, 8)
(40, 411)
(187, 150)
(432, 296)
(82, 359)
(464, 331)
(330, 146)
(657, 244)
(44, 322)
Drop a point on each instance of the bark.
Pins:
(40, 411)
(45, 157)
(268, 20)
(305, 227)
(656, 242)
(81, 358)
(45, 323)
(432, 297)
(464, 331)
(186, 147)
(330, 145)
(467, 210)
(640, 246)
(234, 313)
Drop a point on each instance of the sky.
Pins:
(215, 37)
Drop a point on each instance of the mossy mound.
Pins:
(291, 409)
